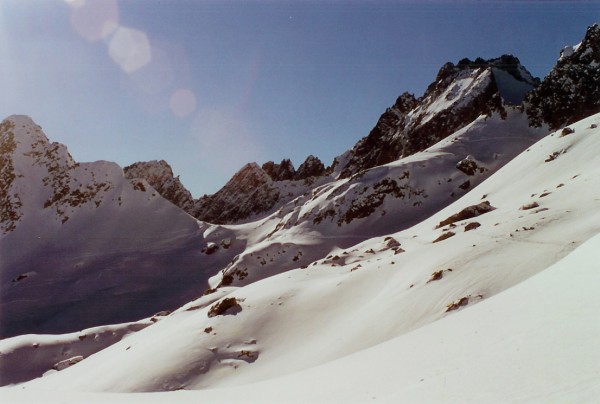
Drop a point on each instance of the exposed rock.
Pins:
(312, 167)
(436, 276)
(371, 151)
(469, 166)
(210, 249)
(10, 204)
(472, 226)
(67, 363)
(160, 176)
(280, 172)
(566, 131)
(373, 197)
(444, 236)
(468, 213)
(463, 301)
(227, 306)
(459, 94)
(529, 206)
(62, 190)
(250, 191)
(571, 91)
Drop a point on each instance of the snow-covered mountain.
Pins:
(254, 191)
(571, 91)
(458, 95)
(74, 235)
(390, 297)
(160, 176)
(424, 264)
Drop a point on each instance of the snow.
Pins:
(309, 227)
(511, 90)
(464, 358)
(29, 356)
(364, 320)
(568, 51)
(102, 235)
(468, 85)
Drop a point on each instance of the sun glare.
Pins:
(183, 102)
(94, 20)
(130, 49)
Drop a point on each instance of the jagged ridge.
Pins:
(459, 94)
(571, 91)
(160, 176)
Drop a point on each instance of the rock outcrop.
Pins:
(160, 176)
(571, 91)
(459, 94)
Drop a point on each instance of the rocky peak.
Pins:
(39, 176)
(587, 51)
(159, 175)
(25, 131)
(571, 91)
(249, 177)
(311, 167)
(459, 94)
(280, 172)
(255, 190)
(249, 192)
(285, 171)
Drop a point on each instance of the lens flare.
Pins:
(94, 20)
(130, 49)
(183, 102)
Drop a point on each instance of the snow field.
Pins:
(309, 317)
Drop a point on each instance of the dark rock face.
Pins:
(571, 91)
(160, 176)
(249, 192)
(371, 150)
(459, 94)
(284, 171)
(280, 172)
(312, 167)
(9, 204)
(469, 166)
(257, 190)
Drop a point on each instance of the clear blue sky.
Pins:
(211, 85)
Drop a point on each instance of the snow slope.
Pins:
(546, 204)
(87, 227)
(458, 95)
(381, 200)
(463, 358)
(74, 235)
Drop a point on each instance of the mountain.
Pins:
(255, 191)
(337, 323)
(458, 95)
(160, 176)
(403, 280)
(74, 235)
(571, 91)
(381, 200)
